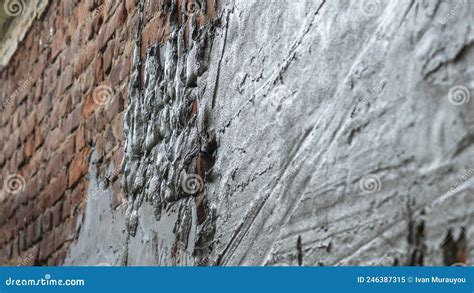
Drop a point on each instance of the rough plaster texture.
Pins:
(12, 32)
(317, 132)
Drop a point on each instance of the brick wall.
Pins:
(62, 97)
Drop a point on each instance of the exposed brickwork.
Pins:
(52, 120)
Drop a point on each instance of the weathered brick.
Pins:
(38, 228)
(68, 151)
(98, 69)
(71, 122)
(108, 56)
(32, 187)
(54, 165)
(44, 107)
(60, 235)
(89, 106)
(119, 71)
(115, 105)
(38, 137)
(77, 196)
(79, 166)
(30, 235)
(57, 213)
(29, 147)
(46, 246)
(65, 79)
(55, 190)
(47, 221)
(80, 138)
(47, 131)
(29, 124)
(57, 44)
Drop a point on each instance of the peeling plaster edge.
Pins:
(18, 30)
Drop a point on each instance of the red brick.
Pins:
(46, 246)
(66, 79)
(58, 41)
(55, 117)
(30, 235)
(29, 146)
(85, 57)
(57, 214)
(68, 151)
(79, 166)
(38, 137)
(55, 190)
(80, 138)
(98, 69)
(108, 56)
(44, 107)
(60, 235)
(119, 71)
(117, 20)
(53, 139)
(116, 105)
(47, 131)
(47, 221)
(67, 205)
(38, 90)
(32, 187)
(71, 122)
(30, 124)
(66, 106)
(89, 106)
(77, 196)
(38, 228)
(54, 165)
(22, 244)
